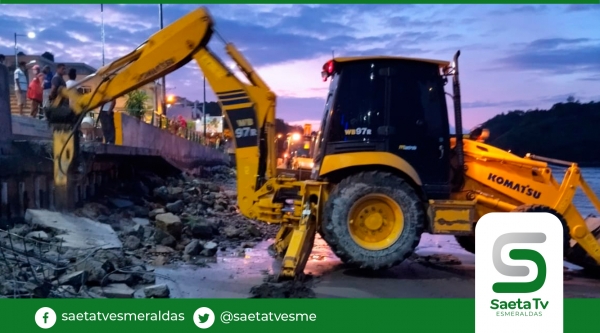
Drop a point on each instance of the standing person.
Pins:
(35, 91)
(47, 85)
(71, 82)
(72, 76)
(57, 83)
(2, 58)
(21, 86)
(107, 122)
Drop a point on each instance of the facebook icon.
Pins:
(45, 317)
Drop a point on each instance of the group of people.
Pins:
(43, 88)
(42, 91)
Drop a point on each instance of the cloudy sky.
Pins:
(512, 57)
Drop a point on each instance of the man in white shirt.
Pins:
(21, 85)
(71, 82)
(72, 76)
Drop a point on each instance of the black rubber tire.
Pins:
(466, 242)
(546, 209)
(335, 232)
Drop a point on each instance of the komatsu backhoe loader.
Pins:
(386, 168)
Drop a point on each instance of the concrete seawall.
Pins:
(177, 150)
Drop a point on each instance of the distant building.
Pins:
(181, 106)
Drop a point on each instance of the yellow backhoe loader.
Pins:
(386, 168)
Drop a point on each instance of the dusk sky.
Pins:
(512, 57)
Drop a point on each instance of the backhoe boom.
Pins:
(249, 109)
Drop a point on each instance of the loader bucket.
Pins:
(578, 256)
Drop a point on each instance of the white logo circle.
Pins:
(204, 318)
(45, 317)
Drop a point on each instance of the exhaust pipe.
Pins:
(458, 112)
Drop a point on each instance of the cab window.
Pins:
(358, 110)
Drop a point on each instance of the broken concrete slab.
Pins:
(39, 235)
(141, 221)
(75, 232)
(75, 279)
(157, 291)
(118, 290)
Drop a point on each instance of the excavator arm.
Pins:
(249, 109)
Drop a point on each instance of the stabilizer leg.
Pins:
(300, 246)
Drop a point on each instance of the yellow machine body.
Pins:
(494, 180)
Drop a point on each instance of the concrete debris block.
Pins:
(120, 203)
(75, 279)
(163, 249)
(231, 232)
(160, 261)
(175, 190)
(142, 221)
(155, 212)
(170, 224)
(96, 275)
(175, 207)
(118, 290)
(161, 192)
(66, 291)
(20, 230)
(158, 291)
(160, 235)
(139, 211)
(121, 278)
(253, 231)
(188, 198)
(168, 241)
(94, 292)
(203, 229)
(135, 230)
(132, 243)
(210, 249)
(39, 235)
(93, 210)
(148, 278)
(193, 248)
(75, 232)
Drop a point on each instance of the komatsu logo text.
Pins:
(160, 67)
(525, 189)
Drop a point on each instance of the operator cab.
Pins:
(389, 104)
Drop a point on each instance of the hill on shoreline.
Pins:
(567, 131)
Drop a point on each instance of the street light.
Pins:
(29, 35)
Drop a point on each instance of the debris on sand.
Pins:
(298, 288)
(107, 247)
(438, 259)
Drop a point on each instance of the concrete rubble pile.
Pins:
(108, 248)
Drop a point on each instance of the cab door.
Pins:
(418, 123)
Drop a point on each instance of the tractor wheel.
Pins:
(373, 220)
(466, 242)
(545, 209)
